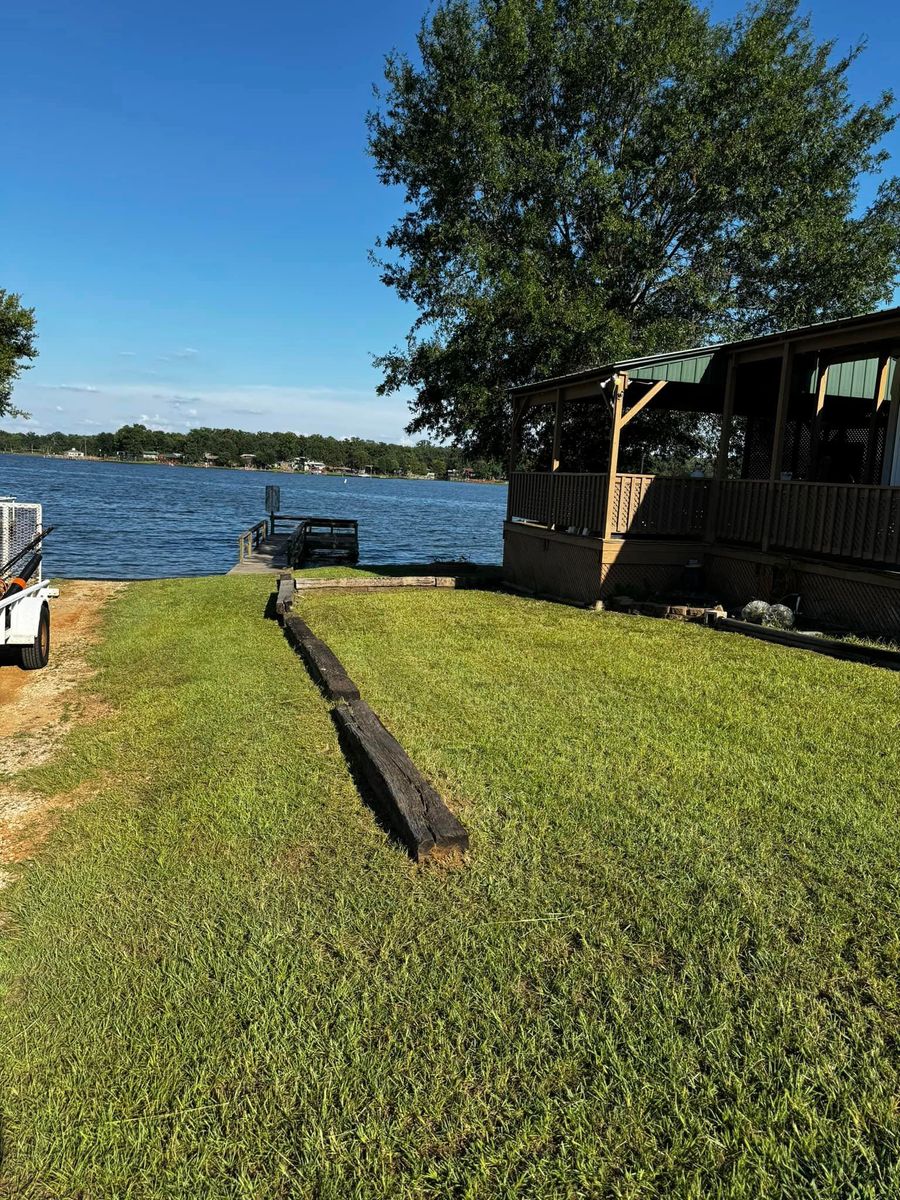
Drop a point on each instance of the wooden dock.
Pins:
(265, 550)
(261, 552)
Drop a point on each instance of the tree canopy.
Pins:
(17, 346)
(224, 447)
(586, 180)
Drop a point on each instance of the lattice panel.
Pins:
(640, 581)
(737, 580)
(844, 603)
(850, 604)
(797, 454)
(552, 567)
(19, 525)
(757, 448)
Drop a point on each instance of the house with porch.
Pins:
(803, 499)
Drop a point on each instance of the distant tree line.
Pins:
(225, 447)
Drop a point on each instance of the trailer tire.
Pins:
(37, 655)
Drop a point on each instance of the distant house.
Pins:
(313, 467)
(209, 459)
(73, 453)
(150, 456)
(248, 461)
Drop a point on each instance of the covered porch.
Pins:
(803, 495)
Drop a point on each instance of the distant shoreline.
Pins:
(330, 474)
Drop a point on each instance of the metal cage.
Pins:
(19, 525)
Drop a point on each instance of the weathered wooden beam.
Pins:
(321, 662)
(641, 404)
(284, 600)
(833, 647)
(402, 795)
(377, 583)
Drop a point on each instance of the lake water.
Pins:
(131, 521)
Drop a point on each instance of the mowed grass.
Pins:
(669, 968)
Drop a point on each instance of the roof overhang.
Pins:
(844, 340)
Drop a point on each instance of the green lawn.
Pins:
(669, 969)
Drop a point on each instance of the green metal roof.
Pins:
(854, 380)
(701, 368)
(704, 364)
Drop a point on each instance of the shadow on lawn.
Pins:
(367, 793)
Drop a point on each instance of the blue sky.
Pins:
(186, 200)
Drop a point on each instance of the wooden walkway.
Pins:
(267, 559)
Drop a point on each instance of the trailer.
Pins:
(25, 624)
(24, 598)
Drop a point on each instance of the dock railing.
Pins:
(250, 540)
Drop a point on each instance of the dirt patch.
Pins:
(36, 710)
(26, 821)
(36, 707)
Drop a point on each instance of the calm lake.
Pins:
(130, 521)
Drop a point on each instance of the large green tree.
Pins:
(590, 179)
(17, 347)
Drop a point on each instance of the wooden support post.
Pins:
(620, 383)
(721, 468)
(554, 462)
(284, 599)
(821, 392)
(515, 441)
(514, 447)
(890, 468)
(784, 399)
(884, 367)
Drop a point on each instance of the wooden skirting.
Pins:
(588, 569)
(832, 570)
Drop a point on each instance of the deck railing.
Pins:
(652, 505)
(567, 500)
(851, 522)
(249, 541)
(642, 504)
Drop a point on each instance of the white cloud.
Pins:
(339, 412)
